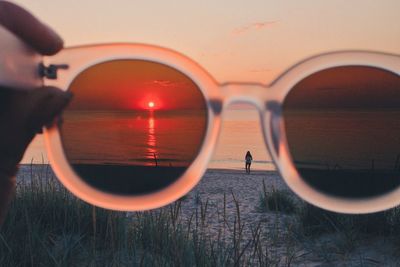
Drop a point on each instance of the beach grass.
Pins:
(316, 221)
(48, 226)
(275, 200)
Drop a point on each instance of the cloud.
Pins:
(168, 83)
(163, 83)
(253, 26)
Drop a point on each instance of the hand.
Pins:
(24, 113)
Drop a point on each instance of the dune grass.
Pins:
(328, 235)
(48, 226)
(316, 221)
(275, 200)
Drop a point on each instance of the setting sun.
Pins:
(151, 104)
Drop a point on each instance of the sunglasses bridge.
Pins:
(256, 94)
(260, 96)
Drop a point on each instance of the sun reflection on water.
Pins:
(151, 151)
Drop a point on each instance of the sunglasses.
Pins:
(144, 120)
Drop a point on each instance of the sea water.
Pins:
(156, 135)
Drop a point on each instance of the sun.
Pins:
(150, 104)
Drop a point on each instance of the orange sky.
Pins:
(347, 87)
(234, 40)
(132, 85)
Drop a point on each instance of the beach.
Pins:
(225, 203)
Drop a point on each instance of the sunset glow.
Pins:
(123, 97)
(265, 37)
(137, 85)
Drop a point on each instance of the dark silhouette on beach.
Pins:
(248, 158)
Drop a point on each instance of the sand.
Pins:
(231, 184)
(220, 188)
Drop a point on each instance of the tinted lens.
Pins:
(343, 130)
(133, 127)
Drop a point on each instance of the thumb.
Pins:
(47, 103)
(22, 115)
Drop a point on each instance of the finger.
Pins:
(29, 29)
(22, 115)
(48, 103)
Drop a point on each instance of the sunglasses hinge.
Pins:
(50, 72)
(273, 106)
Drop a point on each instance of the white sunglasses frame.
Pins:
(268, 100)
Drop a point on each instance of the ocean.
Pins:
(346, 139)
(159, 136)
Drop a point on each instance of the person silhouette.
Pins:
(248, 158)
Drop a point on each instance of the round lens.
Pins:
(133, 126)
(343, 130)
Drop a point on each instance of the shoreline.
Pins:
(237, 171)
(213, 169)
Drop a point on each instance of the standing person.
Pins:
(248, 158)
